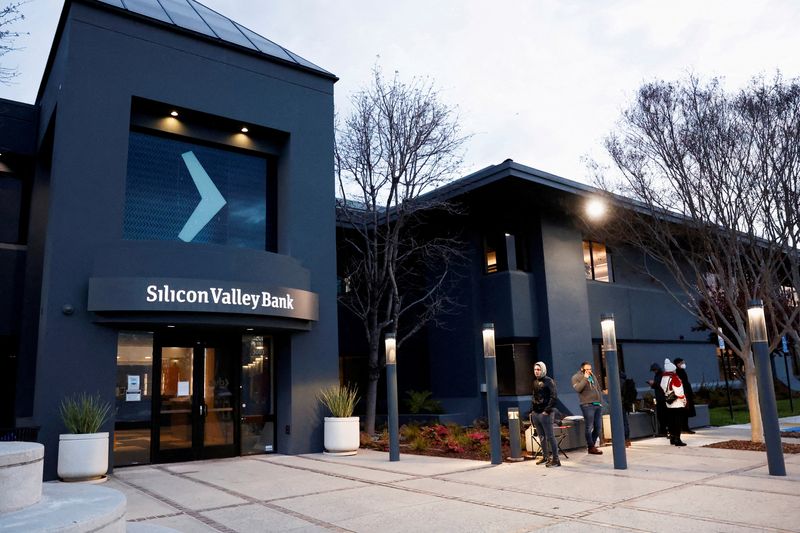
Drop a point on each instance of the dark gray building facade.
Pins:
(168, 235)
(536, 272)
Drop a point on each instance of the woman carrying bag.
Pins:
(676, 402)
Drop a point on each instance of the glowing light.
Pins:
(595, 208)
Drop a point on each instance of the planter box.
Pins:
(82, 457)
(342, 435)
(425, 418)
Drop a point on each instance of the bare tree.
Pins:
(714, 178)
(9, 15)
(399, 143)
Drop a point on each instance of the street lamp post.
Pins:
(614, 391)
(492, 406)
(766, 389)
(391, 397)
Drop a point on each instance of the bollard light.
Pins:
(391, 397)
(391, 349)
(609, 331)
(513, 434)
(488, 340)
(492, 403)
(758, 326)
(614, 391)
(766, 389)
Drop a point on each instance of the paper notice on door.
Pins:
(133, 396)
(183, 388)
(133, 382)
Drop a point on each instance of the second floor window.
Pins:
(597, 262)
(496, 254)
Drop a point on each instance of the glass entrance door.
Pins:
(195, 408)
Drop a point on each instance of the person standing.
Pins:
(628, 394)
(676, 402)
(544, 402)
(688, 392)
(590, 396)
(661, 405)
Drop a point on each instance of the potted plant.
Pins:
(341, 430)
(83, 451)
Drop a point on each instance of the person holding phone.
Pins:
(590, 396)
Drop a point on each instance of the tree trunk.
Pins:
(756, 431)
(374, 374)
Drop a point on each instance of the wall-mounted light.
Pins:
(173, 113)
(595, 208)
(244, 129)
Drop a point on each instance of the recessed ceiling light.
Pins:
(249, 329)
(244, 129)
(174, 113)
(170, 326)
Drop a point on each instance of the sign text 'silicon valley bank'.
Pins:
(218, 295)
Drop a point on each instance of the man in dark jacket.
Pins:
(544, 403)
(661, 401)
(688, 392)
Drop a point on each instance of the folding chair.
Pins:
(535, 442)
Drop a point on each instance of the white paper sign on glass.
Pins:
(183, 388)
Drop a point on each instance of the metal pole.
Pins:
(785, 346)
(513, 434)
(614, 393)
(394, 431)
(726, 365)
(766, 390)
(391, 397)
(492, 404)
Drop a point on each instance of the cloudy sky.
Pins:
(541, 82)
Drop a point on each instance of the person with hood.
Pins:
(687, 390)
(661, 405)
(544, 403)
(590, 396)
(676, 402)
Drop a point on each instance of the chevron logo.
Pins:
(211, 201)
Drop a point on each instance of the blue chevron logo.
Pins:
(211, 201)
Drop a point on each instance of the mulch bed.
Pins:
(753, 446)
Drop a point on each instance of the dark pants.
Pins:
(663, 418)
(544, 428)
(593, 418)
(675, 418)
(626, 424)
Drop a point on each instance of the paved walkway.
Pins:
(665, 488)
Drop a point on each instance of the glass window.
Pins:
(161, 194)
(515, 368)
(133, 398)
(258, 407)
(495, 252)
(597, 262)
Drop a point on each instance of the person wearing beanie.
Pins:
(590, 397)
(676, 408)
(688, 392)
(544, 402)
(658, 394)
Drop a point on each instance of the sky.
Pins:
(542, 82)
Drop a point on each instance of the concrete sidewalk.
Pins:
(665, 488)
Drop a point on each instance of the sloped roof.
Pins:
(195, 17)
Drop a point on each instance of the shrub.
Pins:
(409, 432)
(419, 443)
(82, 413)
(340, 400)
(422, 402)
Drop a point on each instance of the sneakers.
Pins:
(552, 462)
(594, 451)
(541, 460)
(676, 441)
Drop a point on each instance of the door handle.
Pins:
(202, 410)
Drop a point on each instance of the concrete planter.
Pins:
(341, 435)
(82, 457)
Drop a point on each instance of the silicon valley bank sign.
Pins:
(204, 296)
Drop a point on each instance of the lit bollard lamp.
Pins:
(766, 390)
(614, 391)
(513, 434)
(492, 406)
(391, 397)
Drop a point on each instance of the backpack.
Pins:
(629, 393)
